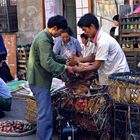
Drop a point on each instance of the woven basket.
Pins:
(125, 87)
(30, 114)
(16, 134)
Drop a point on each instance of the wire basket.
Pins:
(30, 114)
(125, 87)
(88, 112)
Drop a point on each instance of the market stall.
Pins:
(80, 102)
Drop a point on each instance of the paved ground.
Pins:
(17, 112)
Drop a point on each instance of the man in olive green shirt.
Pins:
(43, 64)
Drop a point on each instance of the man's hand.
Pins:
(70, 69)
(71, 63)
(78, 69)
(73, 60)
(84, 64)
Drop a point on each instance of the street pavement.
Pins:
(18, 112)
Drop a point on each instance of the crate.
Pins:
(22, 69)
(22, 60)
(125, 87)
(21, 75)
(22, 64)
(23, 53)
(132, 59)
(126, 122)
(129, 29)
(30, 114)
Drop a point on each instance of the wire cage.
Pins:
(125, 87)
(90, 113)
(126, 122)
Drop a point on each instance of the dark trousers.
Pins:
(5, 73)
(5, 104)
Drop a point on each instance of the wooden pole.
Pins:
(131, 5)
(90, 6)
(62, 7)
(43, 14)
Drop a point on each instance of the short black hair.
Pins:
(112, 31)
(68, 30)
(84, 36)
(58, 21)
(87, 20)
(116, 18)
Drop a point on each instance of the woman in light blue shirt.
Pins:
(67, 45)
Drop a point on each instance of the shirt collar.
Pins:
(49, 35)
(94, 40)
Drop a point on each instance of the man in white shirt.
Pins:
(109, 57)
(87, 46)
